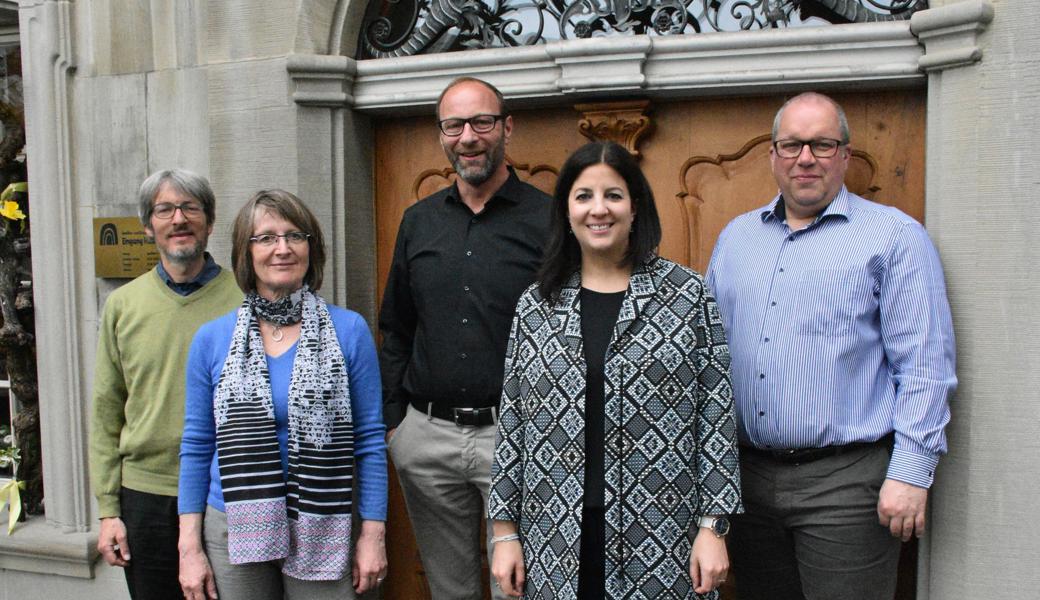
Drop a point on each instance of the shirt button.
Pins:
(761, 375)
(761, 413)
(462, 355)
(465, 320)
(466, 289)
(791, 238)
(767, 339)
(473, 220)
(781, 269)
(770, 304)
(463, 390)
(469, 253)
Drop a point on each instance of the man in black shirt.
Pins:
(463, 256)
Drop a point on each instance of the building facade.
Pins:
(260, 93)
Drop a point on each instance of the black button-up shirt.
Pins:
(450, 296)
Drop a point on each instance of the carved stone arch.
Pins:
(315, 23)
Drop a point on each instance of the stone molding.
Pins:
(950, 34)
(322, 81)
(61, 544)
(864, 55)
(885, 54)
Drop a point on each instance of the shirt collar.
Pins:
(838, 207)
(508, 192)
(209, 271)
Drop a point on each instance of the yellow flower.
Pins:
(11, 211)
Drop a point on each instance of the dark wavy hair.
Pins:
(563, 254)
(293, 210)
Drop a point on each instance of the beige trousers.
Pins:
(445, 473)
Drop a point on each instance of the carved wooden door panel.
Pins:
(707, 161)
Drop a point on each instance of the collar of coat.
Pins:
(643, 285)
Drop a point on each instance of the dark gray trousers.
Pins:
(811, 531)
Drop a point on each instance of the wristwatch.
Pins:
(718, 525)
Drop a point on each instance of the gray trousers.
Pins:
(445, 474)
(261, 581)
(811, 531)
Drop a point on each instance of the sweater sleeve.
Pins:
(367, 408)
(107, 417)
(199, 440)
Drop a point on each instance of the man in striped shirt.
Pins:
(843, 360)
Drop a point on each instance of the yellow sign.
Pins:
(122, 249)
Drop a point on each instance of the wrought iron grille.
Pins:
(405, 27)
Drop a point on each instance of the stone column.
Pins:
(62, 230)
(982, 185)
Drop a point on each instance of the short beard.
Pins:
(495, 156)
(185, 256)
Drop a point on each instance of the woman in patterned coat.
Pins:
(615, 463)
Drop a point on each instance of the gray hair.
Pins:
(186, 182)
(843, 123)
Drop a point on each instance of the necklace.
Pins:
(276, 334)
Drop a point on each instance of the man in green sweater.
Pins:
(138, 415)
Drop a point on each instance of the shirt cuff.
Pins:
(915, 469)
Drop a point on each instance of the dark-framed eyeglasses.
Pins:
(294, 238)
(478, 123)
(165, 210)
(820, 147)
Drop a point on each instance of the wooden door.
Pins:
(707, 161)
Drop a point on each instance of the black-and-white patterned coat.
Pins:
(670, 435)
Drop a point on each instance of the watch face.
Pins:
(720, 526)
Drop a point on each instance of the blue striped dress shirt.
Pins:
(839, 332)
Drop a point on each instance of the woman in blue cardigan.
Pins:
(282, 420)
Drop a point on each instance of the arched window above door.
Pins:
(406, 27)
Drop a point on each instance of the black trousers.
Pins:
(592, 560)
(151, 531)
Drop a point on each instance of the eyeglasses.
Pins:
(165, 210)
(294, 238)
(820, 148)
(478, 123)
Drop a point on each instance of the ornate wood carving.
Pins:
(716, 189)
(542, 176)
(623, 122)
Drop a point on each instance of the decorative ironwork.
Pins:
(406, 27)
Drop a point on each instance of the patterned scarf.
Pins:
(306, 518)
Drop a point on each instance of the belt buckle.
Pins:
(469, 412)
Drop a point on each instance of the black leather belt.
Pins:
(796, 456)
(472, 417)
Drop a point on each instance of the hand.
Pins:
(709, 561)
(507, 567)
(112, 542)
(370, 556)
(901, 508)
(195, 575)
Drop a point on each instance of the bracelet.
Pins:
(509, 537)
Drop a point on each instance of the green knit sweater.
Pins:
(138, 412)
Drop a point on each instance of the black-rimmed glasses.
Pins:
(165, 210)
(820, 148)
(478, 123)
(294, 238)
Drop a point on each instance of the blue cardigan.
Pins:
(200, 477)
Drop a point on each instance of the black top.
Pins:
(450, 296)
(599, 313)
